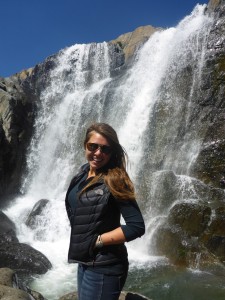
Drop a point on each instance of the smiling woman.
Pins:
(98, 153)
(98, 195)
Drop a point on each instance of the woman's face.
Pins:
(97, 158)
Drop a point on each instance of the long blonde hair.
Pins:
(114, 173)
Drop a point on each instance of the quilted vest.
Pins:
(96, 212)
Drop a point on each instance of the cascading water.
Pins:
(149, 112)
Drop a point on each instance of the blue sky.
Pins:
(32, 30)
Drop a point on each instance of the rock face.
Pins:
(190, 232)
(32, 219)
(213, 4)
(210, 164)
(16, 120)
(130, 42)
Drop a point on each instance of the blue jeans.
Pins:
(96, 286)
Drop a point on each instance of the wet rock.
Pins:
(209, 165)
(179, 236)
(33, 218)
(7, 229)
(10, 290)
(214, 237)
(165, 188)
(33, 294)
(16, 120)
(193, 235)
(171, 241)
(23, 259)
(216, 245)
(161, 188)
(181, 249)
(193, 218)
(18, 256)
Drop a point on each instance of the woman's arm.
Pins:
(115, 236)
(134, 227)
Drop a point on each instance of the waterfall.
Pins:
(151, 114)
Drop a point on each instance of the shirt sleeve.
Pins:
(135, 226)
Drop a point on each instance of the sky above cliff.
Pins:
(33, 30)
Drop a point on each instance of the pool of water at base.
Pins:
(155, 279)
(170, 283)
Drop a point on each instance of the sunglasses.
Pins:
(94, 147)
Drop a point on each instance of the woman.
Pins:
(97, 197)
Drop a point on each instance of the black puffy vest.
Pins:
(96, 212)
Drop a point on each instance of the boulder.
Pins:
(32, 219)
(23, 259)
(10, 293)
(181, 249)
(214, 237)
(193, 218)
(18, 256)
(171, 242)
(70, 296)
(10, 290)
(8, 277)
(7, 229)
(37, 220)
(192, 235)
